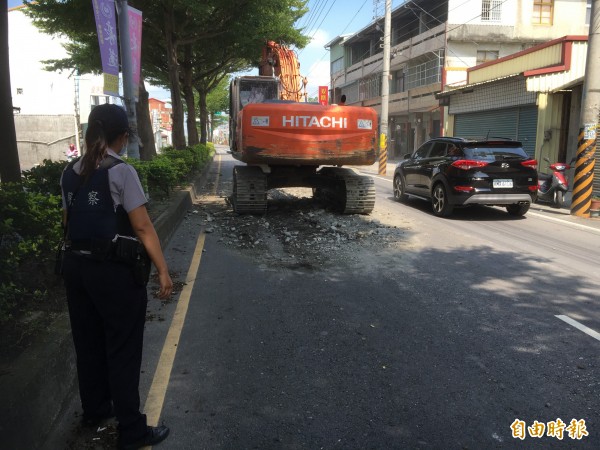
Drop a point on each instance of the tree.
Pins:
(10, 168)
(210, 37)
(75, 19)
(241, 46)
(217, 102)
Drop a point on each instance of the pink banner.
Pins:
(104, 12)
(135, 43)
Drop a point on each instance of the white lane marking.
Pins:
(580, 326)
(377, 176)
(576, 225)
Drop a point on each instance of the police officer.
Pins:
(103, 198)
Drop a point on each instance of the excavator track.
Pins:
(352, 193)
(249, 190)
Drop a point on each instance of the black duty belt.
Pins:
(97, 247)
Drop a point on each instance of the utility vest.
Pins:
(91, 213)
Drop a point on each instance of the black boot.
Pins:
(153, 435)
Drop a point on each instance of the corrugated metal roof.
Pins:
(554, 81)
(545, 57)
(547, 67)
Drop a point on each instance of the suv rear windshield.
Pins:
(484, 153)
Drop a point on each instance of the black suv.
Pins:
(452, 171)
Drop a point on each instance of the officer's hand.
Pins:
(166, 285)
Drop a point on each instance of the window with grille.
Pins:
(337, 65)
(542, 12)
(491, 10)
(398, 82)
(369, 87)
(486, 55)
(426, 73)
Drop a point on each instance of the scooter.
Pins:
(553, 187)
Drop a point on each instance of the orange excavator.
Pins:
(287, 142)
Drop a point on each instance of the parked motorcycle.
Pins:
(553, 187)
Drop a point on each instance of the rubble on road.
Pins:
(297, 232)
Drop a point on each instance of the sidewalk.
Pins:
(43, 380)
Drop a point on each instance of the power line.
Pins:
(320, 6)
(342, 32)
(408, 32)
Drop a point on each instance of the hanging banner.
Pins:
(106, 27)
(135, 43)
(323, 95)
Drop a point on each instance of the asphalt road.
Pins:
(441, 343)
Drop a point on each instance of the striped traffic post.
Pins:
(584, 171)
(383, 154)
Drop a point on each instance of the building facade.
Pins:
(433, 44)
(534, 96)
(162, 121)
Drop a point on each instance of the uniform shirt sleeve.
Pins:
(125, 187)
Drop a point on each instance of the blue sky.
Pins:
(325, 20)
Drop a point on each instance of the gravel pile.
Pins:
(297, 232)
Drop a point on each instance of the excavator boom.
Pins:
(282, 62)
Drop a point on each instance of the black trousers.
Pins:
(107, 310)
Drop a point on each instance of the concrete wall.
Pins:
(460, 12)
(462, 55)
(516, 15)
(42, 137)
(569, 19)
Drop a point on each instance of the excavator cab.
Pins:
(245, 90)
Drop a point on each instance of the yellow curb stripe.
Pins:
(160, 382)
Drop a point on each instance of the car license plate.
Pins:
(502, 183)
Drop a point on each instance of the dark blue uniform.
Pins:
(107, 307)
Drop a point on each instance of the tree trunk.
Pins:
(178, 134)
(145, 131)
(188, 92)
(203, 115)
(10, 168)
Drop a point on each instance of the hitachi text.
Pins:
(313, 121)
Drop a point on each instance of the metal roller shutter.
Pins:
(518, 123)
(495, 123)
(527, 128)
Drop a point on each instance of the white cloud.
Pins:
(319, 39)
(319, 76)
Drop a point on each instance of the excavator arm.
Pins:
(282, 62)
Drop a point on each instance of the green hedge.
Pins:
(30, 218)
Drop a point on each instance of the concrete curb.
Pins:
(43, 380)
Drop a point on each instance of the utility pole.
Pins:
(133, 146)
(590, 113)
(385, 88)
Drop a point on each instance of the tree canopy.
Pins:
(186, 44)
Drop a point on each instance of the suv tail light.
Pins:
(532, 163)
(464, 188)
(466, 164)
